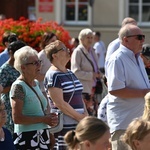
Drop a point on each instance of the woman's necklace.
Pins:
(2, 136)
(69, 76)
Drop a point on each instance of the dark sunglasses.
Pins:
(36, 63)
(139, 37)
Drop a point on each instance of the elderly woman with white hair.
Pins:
(84, 62)
(29, 104)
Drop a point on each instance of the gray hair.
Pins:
(84, 33)
(22, 56)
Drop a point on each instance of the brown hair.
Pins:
(47, 36)
(7, 37)
(52, 48)
(90, 128)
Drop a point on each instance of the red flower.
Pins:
(31, 32)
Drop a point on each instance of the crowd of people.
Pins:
(104, 97)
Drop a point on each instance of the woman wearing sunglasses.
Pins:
(64, 90)
(29, 105)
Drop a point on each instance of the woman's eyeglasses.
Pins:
(63, 49)
(139, 36)
(35, 63)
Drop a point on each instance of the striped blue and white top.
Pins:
(68, 82)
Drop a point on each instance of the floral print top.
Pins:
(8, 74)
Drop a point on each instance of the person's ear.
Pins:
(54, 56)
(125, 39)
(22, 67)
(136, 144)
(87, 144)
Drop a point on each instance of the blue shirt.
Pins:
(112, 47)
(7, 144)
(4, 56)
(123, 71)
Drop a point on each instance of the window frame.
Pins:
(140, 5)
(77, 22)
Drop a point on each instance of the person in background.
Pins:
(127, 83)
(6, 141)
(8, 74)
(85, 69)
(146, 113)
(100, 50)
(64, 90)
(2, 17)
(29, 105)
(137, 134)
(47, 38)
(90, 134)
(114, 45)
(84, 63)
(89, 103)
(145, 54)
(74, 43)
(102, 108)
(7, 38)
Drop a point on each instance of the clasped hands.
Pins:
(51, 119)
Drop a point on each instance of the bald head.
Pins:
(131, 36)
(129, 29)
(129, 20)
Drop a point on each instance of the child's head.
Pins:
(137, 134)
(91, 133)
(146, 114)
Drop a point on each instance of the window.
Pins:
(140, 10)
(77, 12)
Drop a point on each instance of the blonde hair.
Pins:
(136, 130)
(146, 113)
(90, 128)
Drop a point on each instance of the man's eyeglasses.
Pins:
(139, 36)
(36, 63)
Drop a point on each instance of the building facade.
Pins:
(104, 16)
(74, 15)
(16, 8)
